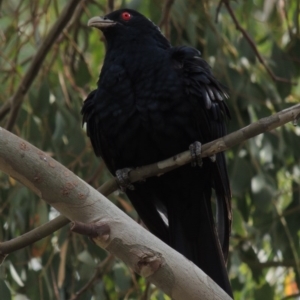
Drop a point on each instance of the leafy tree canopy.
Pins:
(264, 172)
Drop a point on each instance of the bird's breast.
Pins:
(145, 117)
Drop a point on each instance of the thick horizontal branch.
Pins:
(143, 252)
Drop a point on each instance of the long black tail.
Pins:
(192, 228)
(185, 195)
(223, 203)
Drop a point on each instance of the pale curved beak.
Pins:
(100, 23)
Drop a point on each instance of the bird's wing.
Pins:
(145, 202)
(207, 94)
(89, 112)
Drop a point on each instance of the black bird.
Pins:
(152, 101)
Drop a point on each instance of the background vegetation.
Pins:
(264, 172)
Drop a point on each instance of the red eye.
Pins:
(126, 16)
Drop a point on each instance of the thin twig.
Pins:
(253, 46)
(289, 237)
(292, 296)
(18, 97)
(4, 109)
(297, 18)
(96, 173)
(110, 5)
(211, 148)
(33, 235)
(285, 13)
(145, 295)
(218, 10)
(101, 268)
(42, 231)
(165, 20)
(270, 264)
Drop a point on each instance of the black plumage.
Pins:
(152, 101)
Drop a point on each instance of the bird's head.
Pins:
(128, 25)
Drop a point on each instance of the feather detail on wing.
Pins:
(89, 113)
(202, 88)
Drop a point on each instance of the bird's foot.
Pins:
(123, 179)
(195, 150)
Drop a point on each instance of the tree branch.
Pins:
(292, 296)
(251, 42)
(4, 109)
(297, 19)
(289, 237)
(16, 100)
(100, 270)
(218, 10)
(222, 144)
(165, 20)
(270, 264)
(75, 199)
(33, 235)
(110, 5)
(139, 249)
(44, 230)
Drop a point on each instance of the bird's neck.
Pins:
(143, 43)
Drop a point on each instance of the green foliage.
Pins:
(264, 172)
